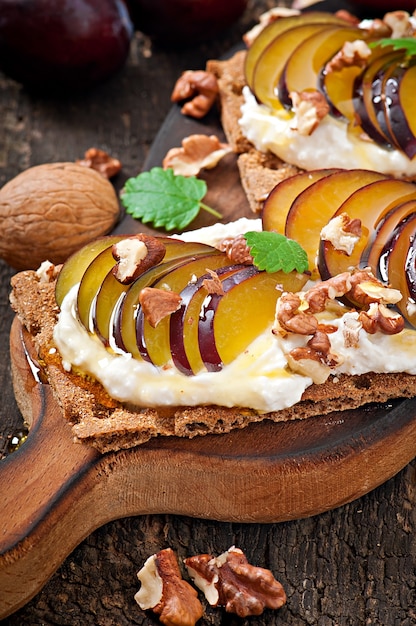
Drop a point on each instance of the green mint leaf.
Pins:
(165, 199)
(407, 44)
(272, 252)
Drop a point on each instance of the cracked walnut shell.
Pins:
(49, 211)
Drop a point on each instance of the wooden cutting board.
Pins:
(55, 492)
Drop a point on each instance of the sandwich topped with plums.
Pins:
(323, 90)
(309, 309)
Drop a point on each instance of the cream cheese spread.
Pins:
(330, 144)
(258, 378)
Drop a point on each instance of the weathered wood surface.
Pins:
(353, 565)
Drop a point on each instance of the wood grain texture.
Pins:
(266, 472)
(349, 566)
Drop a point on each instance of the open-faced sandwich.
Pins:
(323, 90)
(310, 309)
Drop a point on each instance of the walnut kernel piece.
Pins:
(47, 272)
(296, 313)
(342, 232)
(164, 591)
(197, 152)
(380, 318)
(101, 162)
(236, 249)
(158, 304)
(315, 359)
(230, 581)
(213, 284)
(49, 211)
(366, 288)
(267, 18)
(307, 363)
(291, 319)
(135, 255)
(310, 108)
(200, 88)
(400, 24)
(352, 53)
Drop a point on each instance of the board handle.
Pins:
(36, 482)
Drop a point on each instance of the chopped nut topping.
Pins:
(200, 88)
(379, 29)
(197, 152)
(310, 108)
(158, 304)
(400, 24)
(100, 161)
(365, 289)
(265, 19)
(350, 330)
(351, 53)
(236, 249)
(135, 255)
(318, 296)
(296, 313)
(47, 272)
(290, 319)
(315, 359)
(213, 285)
(307, 362)
(229, 580)
(342, 232)
(164, 591)
(380, 318)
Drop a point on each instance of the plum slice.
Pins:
(272, 61)
(90, 284)
(206, 337)
(278, 202)
(111, 292)
(370, 204)
(400, 265)
(273, 30)
(154, 343)
(97, 271)
(379, 245)
(367, 88)
(183, 329)
(75, 266)
(340, 88)
(400, 106)
(229, 323)
(123, 320)
(304, 65)
(314, 207)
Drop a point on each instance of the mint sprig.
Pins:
(165, 199)
(407, 44)
(272, 252)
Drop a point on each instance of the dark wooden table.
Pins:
(354, 565)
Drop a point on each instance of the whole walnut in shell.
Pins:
(49, 211)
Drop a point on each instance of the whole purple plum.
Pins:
(60, 45)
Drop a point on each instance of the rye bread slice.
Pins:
(107, 424)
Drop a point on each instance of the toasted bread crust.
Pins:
(106, 424)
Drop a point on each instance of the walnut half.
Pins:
(199, 88)
(230, 581)
(197, 152)
(164, 591)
